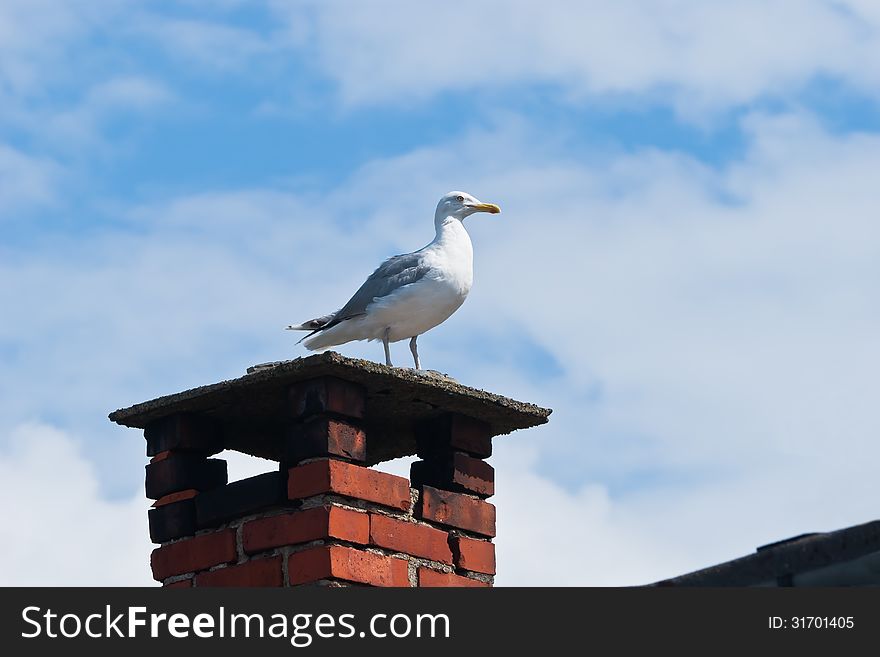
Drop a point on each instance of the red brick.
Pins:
(457, 510)
(309, 565)
(187, 494)
(256, 573)
(349, 480)
(303, 526)
(192, 554)
(346, 563)
(471, 554)
(328, 394)
(433, 578)
(180, 584)
(409, 537)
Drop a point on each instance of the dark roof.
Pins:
(397, 398)
(846, 557)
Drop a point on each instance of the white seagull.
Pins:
(408, 294)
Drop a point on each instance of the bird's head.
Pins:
(460, 205)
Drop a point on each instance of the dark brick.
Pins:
(473, 475)
(241, 498)
(453, 432)
(324, 436)
(328, 395)
(173, 520)
(456, 510)
(183, 432)
(183, 470)
(456, 471)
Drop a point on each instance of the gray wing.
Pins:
(391, 275)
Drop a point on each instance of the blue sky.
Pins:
(685, 270)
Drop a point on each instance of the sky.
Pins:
(686, 268)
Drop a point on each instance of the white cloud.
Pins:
(210, 44)
(551, 537)
(63, 75)
(131, 92)
(241, 466)
(699, 55)
(33, 37)
(57, 528)
(26, 181)
(82, 123)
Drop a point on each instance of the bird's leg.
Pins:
(415, 351)
(387, 348)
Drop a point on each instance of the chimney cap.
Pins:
(396, 399)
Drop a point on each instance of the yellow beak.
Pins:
(487, 207)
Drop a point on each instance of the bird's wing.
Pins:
(391, 275)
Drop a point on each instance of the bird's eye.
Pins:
(460, 199)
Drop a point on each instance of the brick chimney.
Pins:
(323, 516)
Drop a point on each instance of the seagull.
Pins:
(408, 294)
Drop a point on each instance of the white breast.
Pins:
(419, 307)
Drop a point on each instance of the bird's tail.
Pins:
(313, 325)
(320, 340)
